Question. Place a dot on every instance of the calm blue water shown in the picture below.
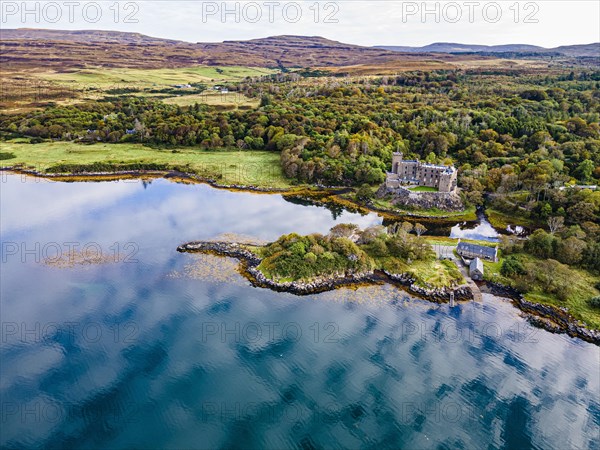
(168, 350)
(482, 231)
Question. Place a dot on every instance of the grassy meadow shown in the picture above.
(256, 168)
(428, 273)
(423, 189)
(470, 213)
(105, 78)
(29, 90)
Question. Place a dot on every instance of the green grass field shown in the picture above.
(423, 189)
(448, 241)
(428, 273)
(73, 86)
(143, 78)
(436, 273)
(255, 168)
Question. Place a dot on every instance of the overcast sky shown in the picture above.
(545, 23)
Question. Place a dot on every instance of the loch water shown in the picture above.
(145, 347)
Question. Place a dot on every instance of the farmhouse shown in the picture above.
(471, 251)
(414, 172)
(476, 269)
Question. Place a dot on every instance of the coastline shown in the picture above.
(250, 262)
(550, 318)
(327, 194)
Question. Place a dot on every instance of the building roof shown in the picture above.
(476, 264)
(482, 250)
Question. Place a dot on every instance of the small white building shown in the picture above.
(476, 269)
(470, 251)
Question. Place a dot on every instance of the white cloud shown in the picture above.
(546, 23)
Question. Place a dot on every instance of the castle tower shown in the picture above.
(396, 161)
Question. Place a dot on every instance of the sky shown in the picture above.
(547, 23)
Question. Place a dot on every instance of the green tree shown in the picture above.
(364, 193)
(512, 266)
(419, 229)
(570, 250)
(541, 244)
(584, 170)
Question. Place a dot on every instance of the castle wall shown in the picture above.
(396, 162)
(429, 175)
(447, 182)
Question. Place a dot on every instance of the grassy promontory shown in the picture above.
(347, 249)
(226, 167)
(346, 255)
(554, 296)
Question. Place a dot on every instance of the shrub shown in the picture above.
(364, 193)
(310, 258)
(594, 302)
(378, 247)
(511, 266)
(6, 155)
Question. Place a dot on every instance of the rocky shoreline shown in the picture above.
(250, 263)
(550, 318)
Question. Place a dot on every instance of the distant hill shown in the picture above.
(64, 50)
(52, 48)
(587, 50)
(83, 36)
(591, 50)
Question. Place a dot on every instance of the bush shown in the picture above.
(594, 302)
(97, 167)
(377, 248)
(364, 193)
(6, 155)
(304, 257)
(511, 266)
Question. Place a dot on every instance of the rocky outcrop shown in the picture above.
(439, 295)
(251, 261)
(401, 196)
(551, 318)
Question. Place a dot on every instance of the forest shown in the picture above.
(522, 142)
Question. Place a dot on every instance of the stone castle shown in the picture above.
(412, 172)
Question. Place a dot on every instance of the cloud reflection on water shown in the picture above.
(178, 364)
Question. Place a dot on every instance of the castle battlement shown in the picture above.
(414, 172)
